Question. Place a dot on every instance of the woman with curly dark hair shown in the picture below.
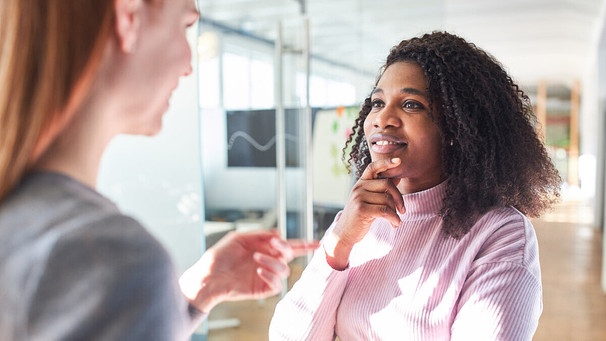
(434, 242)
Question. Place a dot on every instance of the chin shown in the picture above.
(146, 129)
(393, 173)
(153, 131)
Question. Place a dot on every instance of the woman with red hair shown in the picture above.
(73, 75)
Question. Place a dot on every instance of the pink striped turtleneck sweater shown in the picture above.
(414, 283)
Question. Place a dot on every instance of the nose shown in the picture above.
(387, 117)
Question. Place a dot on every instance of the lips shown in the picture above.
(383, 143)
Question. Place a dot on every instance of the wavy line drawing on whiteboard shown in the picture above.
(254, 143)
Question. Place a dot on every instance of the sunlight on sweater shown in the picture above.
(380, 248)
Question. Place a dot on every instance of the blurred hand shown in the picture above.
(242, 266)
(371, 197)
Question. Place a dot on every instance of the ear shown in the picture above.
(128, 23)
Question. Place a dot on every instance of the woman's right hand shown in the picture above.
(242, 265)
(372, 197)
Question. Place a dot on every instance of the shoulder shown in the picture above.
(60, 234)
(55, 199)
(112, 257)
(93, 244)
(113, 278)
(506, 235)
(80, 255)
(68, 213)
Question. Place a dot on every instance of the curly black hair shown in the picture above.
(492, 154)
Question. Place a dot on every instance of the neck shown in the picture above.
(409, 185)
(78, 150)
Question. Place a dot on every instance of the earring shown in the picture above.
(451, 142)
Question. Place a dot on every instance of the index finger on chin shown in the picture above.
(375, 168)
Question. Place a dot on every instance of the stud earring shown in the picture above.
(451, 142)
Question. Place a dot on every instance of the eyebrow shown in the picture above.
(412, 91)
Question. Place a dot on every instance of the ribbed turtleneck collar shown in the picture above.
(424, 203)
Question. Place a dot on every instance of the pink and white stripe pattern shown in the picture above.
(415, 283)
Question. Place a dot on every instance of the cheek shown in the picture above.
(367, 125)
(436, 147)
(432, 141)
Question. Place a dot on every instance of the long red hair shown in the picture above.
(50, 50)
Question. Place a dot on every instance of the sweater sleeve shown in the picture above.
(500, 301)
(308, 311)
(501, 298)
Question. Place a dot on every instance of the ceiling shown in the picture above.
(535, 40)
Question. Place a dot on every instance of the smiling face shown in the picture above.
(399, 125)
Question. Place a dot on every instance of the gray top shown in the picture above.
(73, 267)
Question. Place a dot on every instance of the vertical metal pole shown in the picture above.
(303, 4)
(280, 140)
(309, 205)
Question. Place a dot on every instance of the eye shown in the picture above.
(413, 105)
(377, 103)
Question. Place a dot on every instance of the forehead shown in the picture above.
(403, 73)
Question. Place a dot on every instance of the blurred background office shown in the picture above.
(253, 139)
